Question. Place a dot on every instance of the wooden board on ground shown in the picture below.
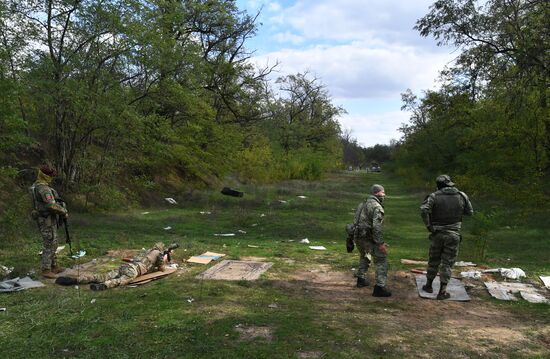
(150, 276)
(205, 258)
(236, 270)
(455, 288)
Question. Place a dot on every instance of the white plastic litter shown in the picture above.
(472, 274)
(3, 309)
(465, 264)
(205, 212)
(241, 231)
(255, 224)
(190, 300)
(262, 215)
(167, 228)
(144, 213)
(302, 197)
(506, 291)
(318, 248)
(79, 255)
(305, 240)
(224, 234)
(283, 201)
(510, 273)
(5, 271)
(171, 200)
(545, 280)
(253, 246)
(534, 297)
(92, 301)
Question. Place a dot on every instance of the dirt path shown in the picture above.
(421, 327)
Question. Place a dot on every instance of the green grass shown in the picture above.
(157, 321)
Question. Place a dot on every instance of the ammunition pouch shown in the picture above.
(35, 214)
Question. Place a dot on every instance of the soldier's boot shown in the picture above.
(66, 281)
(48, 274)
(428, 286)
(362, 282)
(380, 292)
(58, 269)
(98, 286)
(443, 294)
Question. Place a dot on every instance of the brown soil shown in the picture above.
(249, 332)
(422, 327)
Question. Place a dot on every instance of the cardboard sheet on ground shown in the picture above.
(142, 279)
(507, 291)
(17, 284)
(455, 288)
(236, 270)
(414, 262)
(545, 280)
(205, 258)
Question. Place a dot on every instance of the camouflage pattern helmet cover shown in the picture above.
(159, 246)
(377, 188)
(444, 181)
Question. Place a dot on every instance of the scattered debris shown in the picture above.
(205, 212)
(144, 213)
(545, 280)
(283, 201)
(17, 284)
(255, 224)
(231, 192)
(253, 246)
(205, 258)
(3, 309)
(253, 332)
(302, 197)
(57, 251)
(167, 228)
(241, 231)
(262, 215)
(318, 248)
(171, 200)
(472, 274)
(455, 288)
(190, 300)
(507, 291)
(224, 234)
(510, 273)
(5, 271)
(273, 306)
(465, 264)
(305, 240)
(92, 301)
(80, 254)
(413, 262)
(236, 270)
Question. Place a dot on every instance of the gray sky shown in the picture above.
(364, 51)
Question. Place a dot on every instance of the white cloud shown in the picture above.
(274, 6)
(287, 37)
(373, 129)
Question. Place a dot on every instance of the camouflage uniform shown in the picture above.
(47, 208)
(442, 213)
(148, 262)
(369, 218)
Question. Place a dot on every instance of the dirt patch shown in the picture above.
(250, 332)
(122, 253)
(310, 354)
(407, 323)
(253, 259)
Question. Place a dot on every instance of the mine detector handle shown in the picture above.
(169, 249)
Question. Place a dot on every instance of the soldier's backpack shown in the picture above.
(350, 230)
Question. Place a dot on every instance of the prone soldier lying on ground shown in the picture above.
(152, 260)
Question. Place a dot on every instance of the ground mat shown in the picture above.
(455, 288)
(236, 270)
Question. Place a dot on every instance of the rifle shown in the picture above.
(67, 235)
(169, 249)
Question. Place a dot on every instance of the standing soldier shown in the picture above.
(442, 213)
(47, 209)
(369, 218)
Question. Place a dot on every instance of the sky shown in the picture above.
(365, 52)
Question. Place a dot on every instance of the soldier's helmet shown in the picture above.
(48, 170)
(444, 181)
(376, 188)
(159, 246)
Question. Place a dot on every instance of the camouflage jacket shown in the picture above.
(150, 261)
(432, 208)
(46, 200)
(369, 219)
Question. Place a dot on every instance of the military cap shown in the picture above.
(444, 180)
(48, 171)
(376, 188)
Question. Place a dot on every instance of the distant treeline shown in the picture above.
(123, 96)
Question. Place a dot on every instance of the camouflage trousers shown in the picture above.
(368, 251)
(120, 276)
(443, 252)
(48, 231)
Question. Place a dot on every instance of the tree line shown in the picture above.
(123, 96)
(489, 123)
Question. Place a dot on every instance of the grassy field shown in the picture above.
(306, 305)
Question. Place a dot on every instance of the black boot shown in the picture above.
(66, 281)
(380, 292)
(98, 286)
(362, 282)
(428, 286)
(442, 295)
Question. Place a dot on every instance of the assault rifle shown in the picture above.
(65, 224)
(169, 249)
